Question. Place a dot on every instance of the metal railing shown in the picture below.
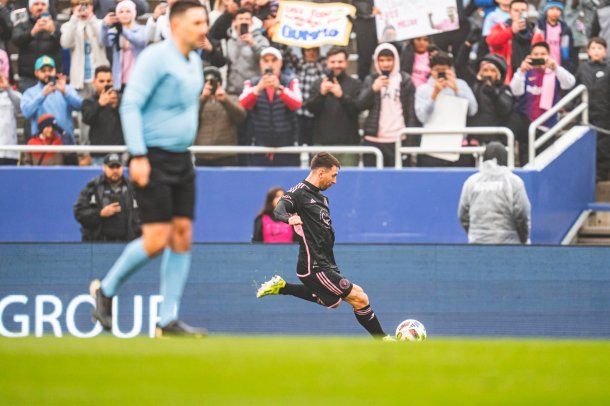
(207, 149)
(582, 108)
(399, 149)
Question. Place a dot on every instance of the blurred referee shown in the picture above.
(159, 114)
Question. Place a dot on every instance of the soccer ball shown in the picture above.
(411, 330)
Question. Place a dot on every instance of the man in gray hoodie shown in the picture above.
(494, 207)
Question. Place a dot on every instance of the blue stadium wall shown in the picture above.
(412, 205)
(453, 290)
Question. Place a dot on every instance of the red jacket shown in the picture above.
(45, 158)
(500, 41)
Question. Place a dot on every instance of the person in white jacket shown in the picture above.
(494, 207)
(9, 108)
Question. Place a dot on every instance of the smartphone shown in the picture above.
(45, 15)
(442, 75)
(386, 73)
(53, 80)
(243, 28)
(537, 61)
(268, 71)
(107, 88)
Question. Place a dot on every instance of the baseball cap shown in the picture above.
(271, 51)
(113, 159)
(46, 120)
(44, 61)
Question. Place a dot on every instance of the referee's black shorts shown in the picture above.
(171, 187)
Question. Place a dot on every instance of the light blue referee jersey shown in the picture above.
(160, 106)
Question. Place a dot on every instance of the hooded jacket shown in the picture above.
(243, 60)
(596, 77)
(494, 207)
(371, 100)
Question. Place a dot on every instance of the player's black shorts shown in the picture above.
(329, 286)
(171, 188)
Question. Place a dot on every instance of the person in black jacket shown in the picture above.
(106, 208)
(494, 98)
(389, 96)
(366, 35)
(36, 36)
(595, 75)
(101, 112)
(6, 25)
(333, 102)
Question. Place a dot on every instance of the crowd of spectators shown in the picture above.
(509, 62)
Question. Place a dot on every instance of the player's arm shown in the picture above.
(286, 211)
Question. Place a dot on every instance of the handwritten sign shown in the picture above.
(400, 20)
(309, 25)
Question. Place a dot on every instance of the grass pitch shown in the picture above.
(302, 370)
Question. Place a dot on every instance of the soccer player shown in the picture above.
(307, 209)
(159, 116)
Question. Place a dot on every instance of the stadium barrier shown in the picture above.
(453, 289)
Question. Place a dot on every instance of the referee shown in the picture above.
(159, 114)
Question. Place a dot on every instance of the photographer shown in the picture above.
(271, 100)
(512, 38)
(106, 208)
(51, 95)
(219, 115)
(333, 102)
(537, 85)
(243, 48)
(101, 112)
(126, 38)
(36, 35)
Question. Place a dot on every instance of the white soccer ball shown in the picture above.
(411, 330)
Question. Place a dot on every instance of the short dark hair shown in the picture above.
(182, 6)
(242, 11)
(102, 69)
(599, 41)
(542, 44)
(441, 58)
(336, 50)
(324, 160)
(385, 52)
(518, 1)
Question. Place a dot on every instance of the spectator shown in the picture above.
(6, 25)
(494, 98)
(498, 15)
(9, 108)
(221, 7)
(35, 36)
(243, 48)
(366, 34)
(82, 34)
(309, 71)
(51, 95)
(267, 229)
(272, 100)
(219, 115)
(127, 39)
(334, 102)
(442, 81)
(537, 85)
(101, 112)
(388, 95)
(50, 134)
(579, 19)
(494, 207)
(600, 25)
(103, 7)
(555, 32)
(106, 208)
(511, 39)
(224, 23)
(595, 75)
(415, 60)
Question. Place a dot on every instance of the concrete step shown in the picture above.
(602, 192)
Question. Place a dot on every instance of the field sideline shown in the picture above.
(302, 370)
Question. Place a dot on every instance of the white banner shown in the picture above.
(405, 19)
(308, 25)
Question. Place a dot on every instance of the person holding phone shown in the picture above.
(35, 36)
(101, 113)
(243, 49)
(537, 85)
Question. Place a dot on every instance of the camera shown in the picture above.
(442, 75)
(211, 74)
(268, 71)
(537, 61)
(243, 28)
(386, 73)
(213, 82)
(329, 74)
(53, 80)
(487, 79)
(107, 88)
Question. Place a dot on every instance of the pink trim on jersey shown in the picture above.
(299, 230)
(334, 306)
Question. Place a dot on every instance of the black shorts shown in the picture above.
(171, 188)
(329, 286)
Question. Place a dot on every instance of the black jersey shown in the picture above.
(317, 234)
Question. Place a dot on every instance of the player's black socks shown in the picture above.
(367, 318)
(298, 290)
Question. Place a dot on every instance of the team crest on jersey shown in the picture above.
(344, 284)
(325, 217)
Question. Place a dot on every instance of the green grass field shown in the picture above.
(303, 370)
